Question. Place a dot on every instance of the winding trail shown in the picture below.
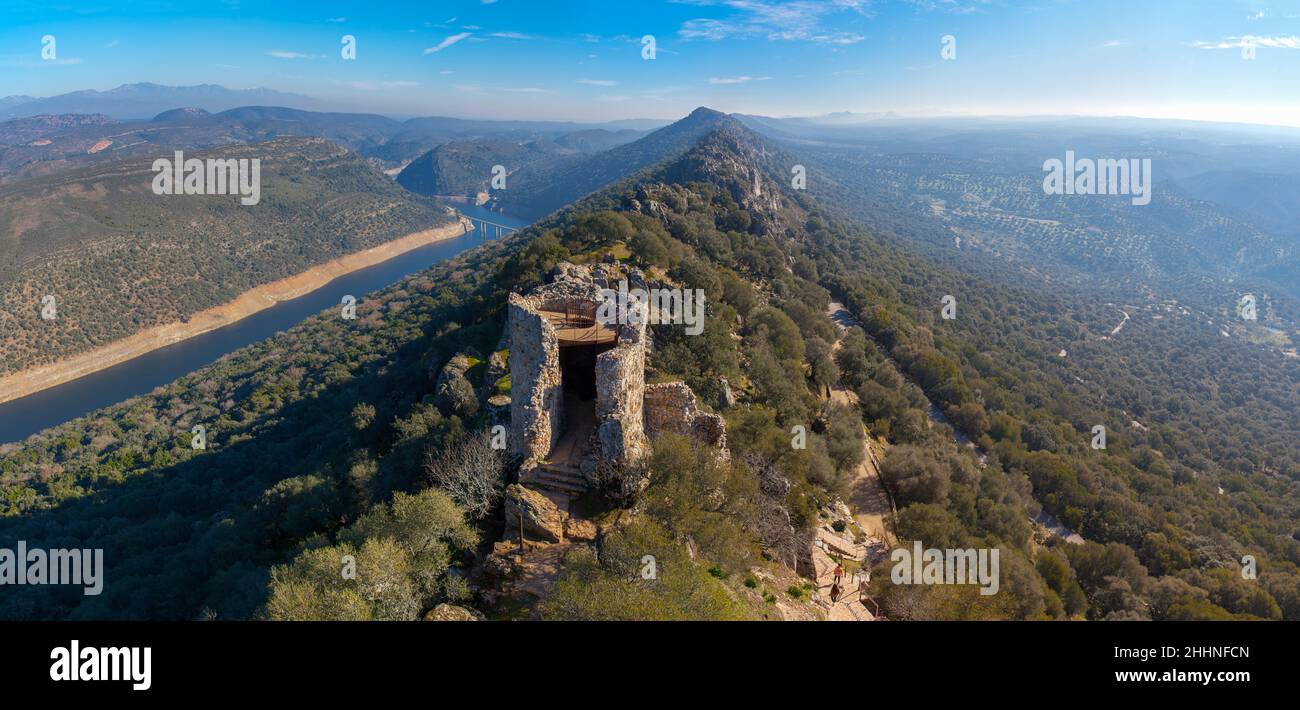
(869, 504)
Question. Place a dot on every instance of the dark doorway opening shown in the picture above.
(578, 369)
(578, 381)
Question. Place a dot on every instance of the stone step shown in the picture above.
(560, 487)
(561, 468)
(561, 480)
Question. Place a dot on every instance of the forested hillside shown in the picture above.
(324, 441)
(118, 259)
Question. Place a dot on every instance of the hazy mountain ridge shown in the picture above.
(142, 100)
(465, 168)
(538, 189)
(50, 143)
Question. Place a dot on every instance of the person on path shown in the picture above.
(835, 592)
(839, 572)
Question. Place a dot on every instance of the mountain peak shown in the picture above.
(180, 114)
(704, 114)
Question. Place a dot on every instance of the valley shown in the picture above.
(332, 430)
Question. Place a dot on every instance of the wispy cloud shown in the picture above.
(959, 7)
(446, 43)
(336, 19)
(377, 85)
(283, 54)
(1114, 43)
(112, 43)
(1270, 41)
(510, 35)
(736, 79)
(598, 82)
(800, 20)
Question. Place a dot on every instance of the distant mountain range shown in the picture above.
(135, 101)
(87, 127)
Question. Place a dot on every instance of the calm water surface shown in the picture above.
(23, 417)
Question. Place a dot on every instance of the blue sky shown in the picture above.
(580, 59)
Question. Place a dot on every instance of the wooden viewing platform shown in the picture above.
(579, 327)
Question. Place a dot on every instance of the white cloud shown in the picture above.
(112, 44)
(959, 7)
(511, 35)
(446, 43)
(800, 20)
(598, 82)
(372, 85)
(1114, 43)
(282, 54)
(336, 19)
(736, 79)
(1273, 42)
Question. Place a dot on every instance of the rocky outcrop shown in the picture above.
(726, 399)
(540, 517)
(671, 407)
(452, 612)
(580, 530)
(453, 393)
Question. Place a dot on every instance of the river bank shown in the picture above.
(259, 298)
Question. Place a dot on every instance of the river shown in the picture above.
(28, 415)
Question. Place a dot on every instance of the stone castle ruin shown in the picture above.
(580, 410)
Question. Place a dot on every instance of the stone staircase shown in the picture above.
(561, 478)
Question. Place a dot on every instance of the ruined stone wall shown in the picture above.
(627, 411)
(620, 385)
(536, 402)
(671, 407)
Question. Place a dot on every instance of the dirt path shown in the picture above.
(849, 607)
(867, 497)
(869, 505)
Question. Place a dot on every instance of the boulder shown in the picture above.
(541, 518)
(580, 530)
(453, 392)
(451, 612)
(725, 397)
